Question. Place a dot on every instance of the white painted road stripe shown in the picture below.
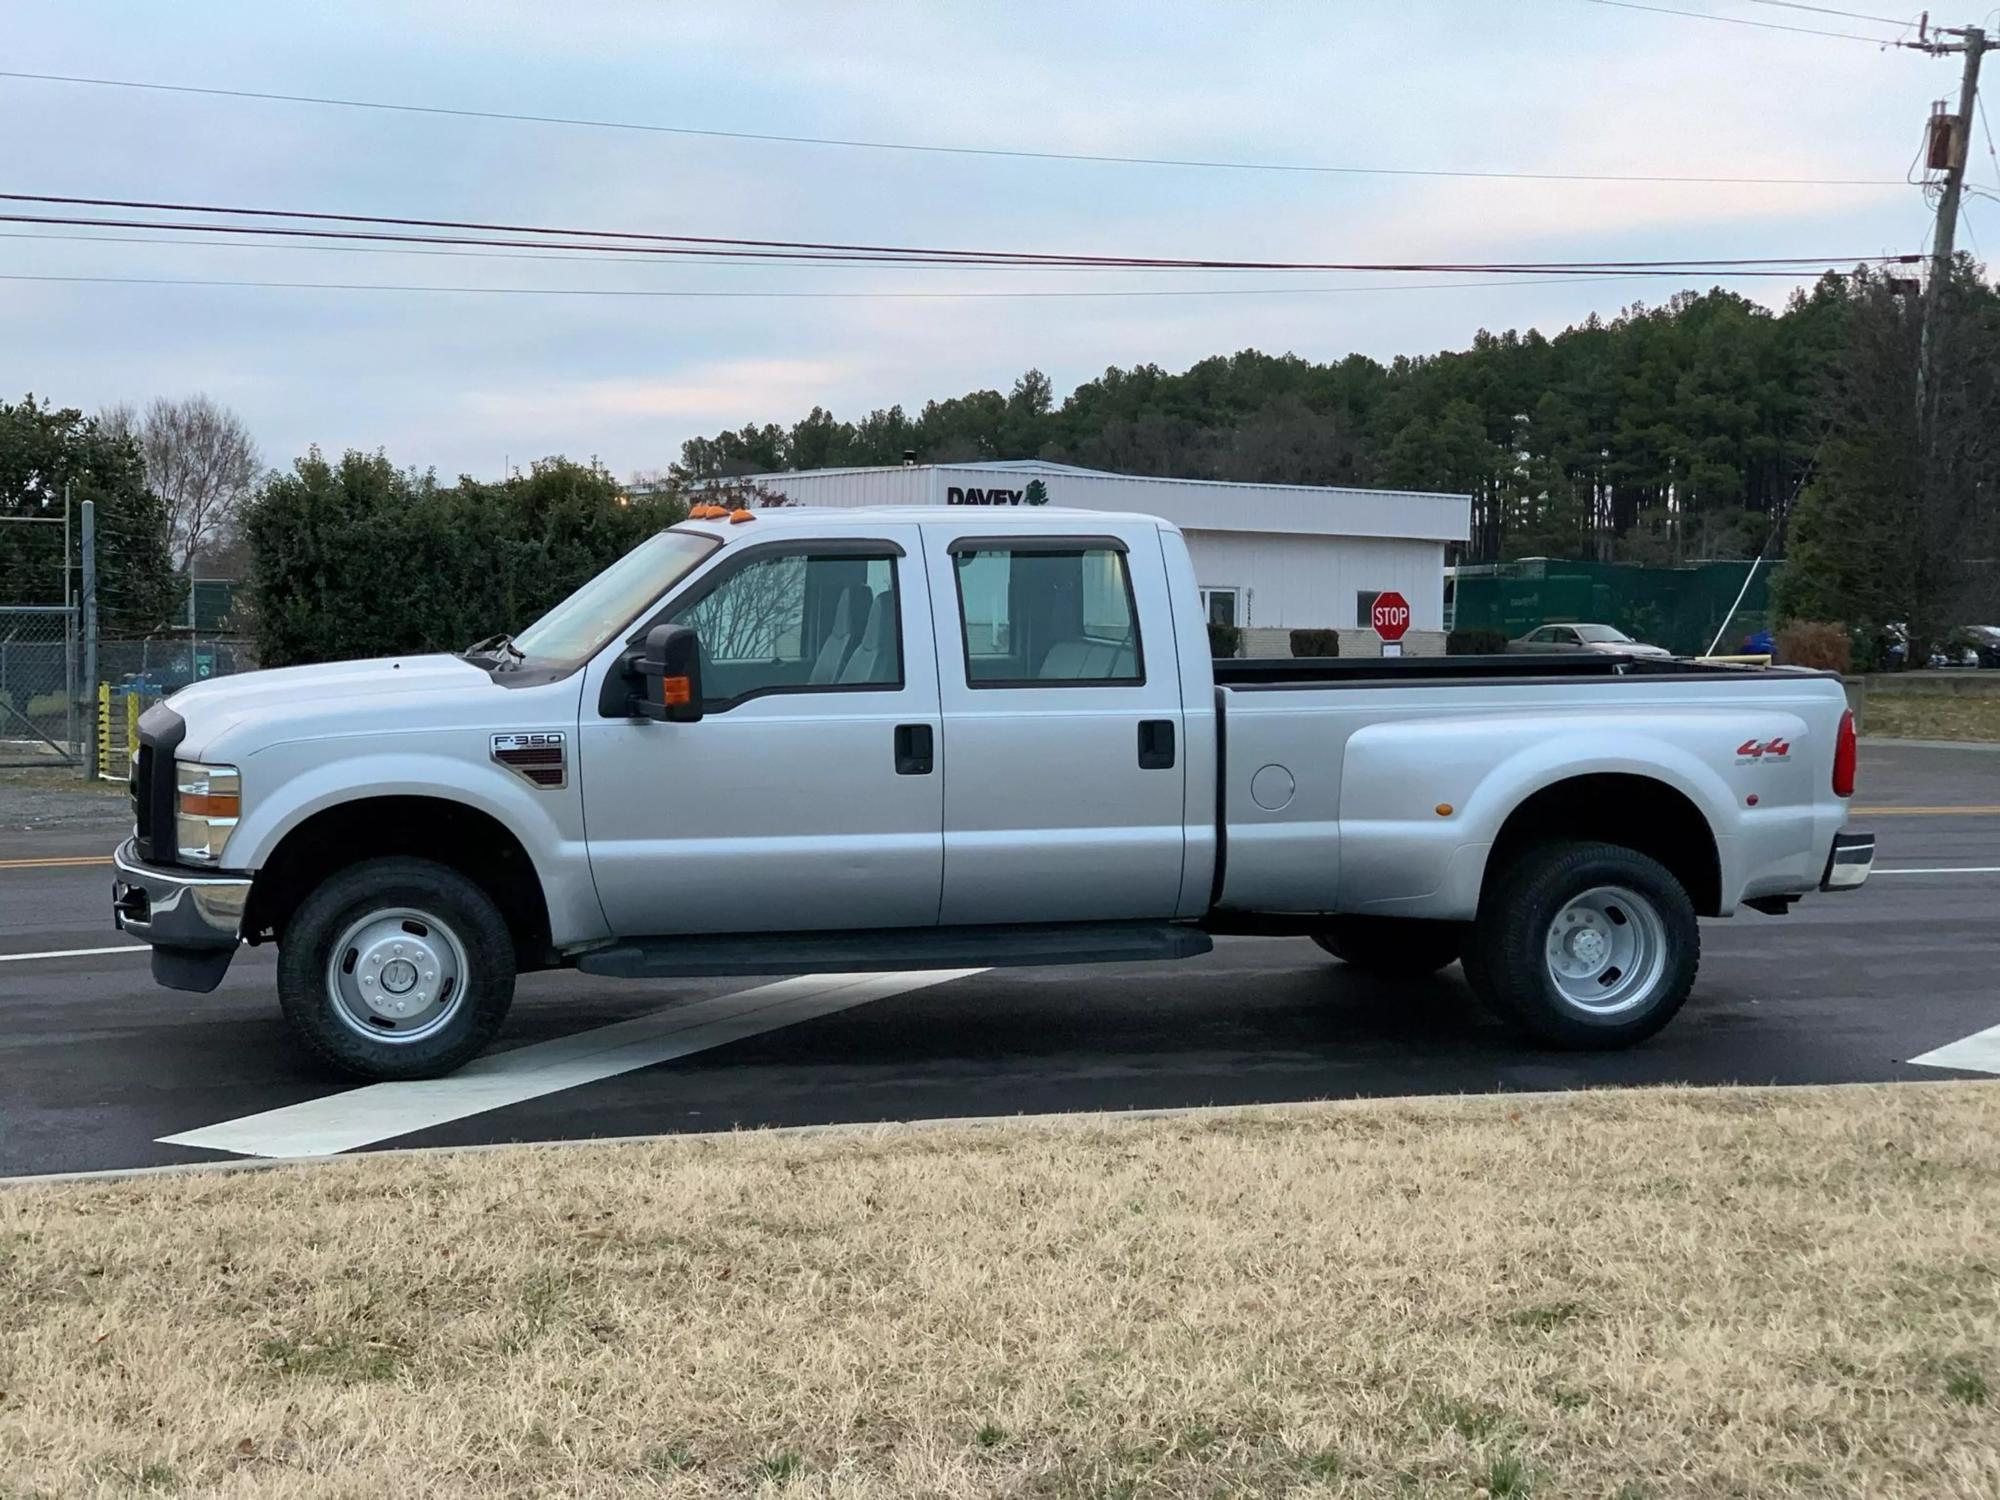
(382, 1111)
(1978, 1053)
(1946, 870)
(15, 958)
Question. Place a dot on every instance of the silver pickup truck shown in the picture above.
(805, 740)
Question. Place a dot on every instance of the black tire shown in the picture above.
(443, 906)
(1395, 947)
(1512, 959)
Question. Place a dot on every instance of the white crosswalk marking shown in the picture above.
(1978, 1053)
(379, 1112)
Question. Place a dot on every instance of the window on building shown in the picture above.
(1364, 608)
(1036, 617)
(1220, 606)
(798, 623)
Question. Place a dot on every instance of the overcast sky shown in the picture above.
(464, 381)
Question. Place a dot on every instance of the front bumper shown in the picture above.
(1849, 861)
(193, 921)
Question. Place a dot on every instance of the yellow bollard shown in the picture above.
(104, 729)
(131, 729)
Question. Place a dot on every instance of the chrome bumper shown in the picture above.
(174, 908)
(1847, 866)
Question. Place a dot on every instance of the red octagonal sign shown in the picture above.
(1391, 615)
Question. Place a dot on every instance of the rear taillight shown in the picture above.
(1845, 753)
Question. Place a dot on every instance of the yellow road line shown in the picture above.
(65, 862)
(1926, 812)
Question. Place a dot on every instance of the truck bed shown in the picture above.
(1319, 671)
(1380, 786)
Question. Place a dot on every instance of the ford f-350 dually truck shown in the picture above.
(822, 740)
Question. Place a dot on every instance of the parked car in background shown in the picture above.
(1979, 643)
(1607, 639)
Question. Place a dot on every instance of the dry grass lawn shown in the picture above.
(1736, 1293)
(1934, 716)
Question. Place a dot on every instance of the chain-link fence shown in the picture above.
(134, 675)
(1679, 608)
(48, 708)
(42, 698)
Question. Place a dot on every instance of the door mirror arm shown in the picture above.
(669, 670)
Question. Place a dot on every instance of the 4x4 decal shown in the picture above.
(1771, 749)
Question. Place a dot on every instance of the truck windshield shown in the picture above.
(574, 630)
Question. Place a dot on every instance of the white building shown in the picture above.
(1271, 558)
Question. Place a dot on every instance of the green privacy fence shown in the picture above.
(1679, 608)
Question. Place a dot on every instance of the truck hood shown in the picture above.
(259, 708)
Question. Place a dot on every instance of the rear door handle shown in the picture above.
(913, 749)
(1156, 744)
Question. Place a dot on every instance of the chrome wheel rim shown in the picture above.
(1606, 950)
(397, 976)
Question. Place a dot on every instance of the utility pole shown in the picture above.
(1957, 143)
(1975, 46)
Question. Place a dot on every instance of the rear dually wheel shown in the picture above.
(1585, 945)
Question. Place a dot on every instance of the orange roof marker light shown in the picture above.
(740, 515)
(707, 513)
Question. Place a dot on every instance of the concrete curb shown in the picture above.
(1193, 1113)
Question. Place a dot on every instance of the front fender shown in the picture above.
(279, 795)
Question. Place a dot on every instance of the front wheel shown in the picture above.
(1585, 945)
(396, 968)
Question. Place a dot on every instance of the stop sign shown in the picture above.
(1390, 616)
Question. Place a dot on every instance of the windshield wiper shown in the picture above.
(494, 646)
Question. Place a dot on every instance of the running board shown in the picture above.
(896, 948)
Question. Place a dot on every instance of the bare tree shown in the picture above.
(200, 460)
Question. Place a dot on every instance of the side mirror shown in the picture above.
(670, 668)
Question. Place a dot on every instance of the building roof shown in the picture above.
(1191, 504)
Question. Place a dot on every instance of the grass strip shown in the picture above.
(1658, 1293)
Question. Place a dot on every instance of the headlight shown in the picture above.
(207, 802)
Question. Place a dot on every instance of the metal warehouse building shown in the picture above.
(1271, 558)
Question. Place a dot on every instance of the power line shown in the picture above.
(1545, 279)
(1703, 15)
(930, 148)
(675, 244)
(1827, 10)
(692, 259)
(1987, 126)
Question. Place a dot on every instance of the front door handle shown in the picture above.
(913, 749)
(1156, 744)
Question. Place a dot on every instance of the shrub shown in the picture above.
(1224, 640)
(1815, 643)
(1315, 643)
(359, 558)
(1475, 643)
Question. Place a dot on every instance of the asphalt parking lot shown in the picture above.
(101, 1070)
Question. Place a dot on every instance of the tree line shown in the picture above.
(1707, 428)
(1662, 434)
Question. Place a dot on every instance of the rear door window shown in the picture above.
(1043, 616)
